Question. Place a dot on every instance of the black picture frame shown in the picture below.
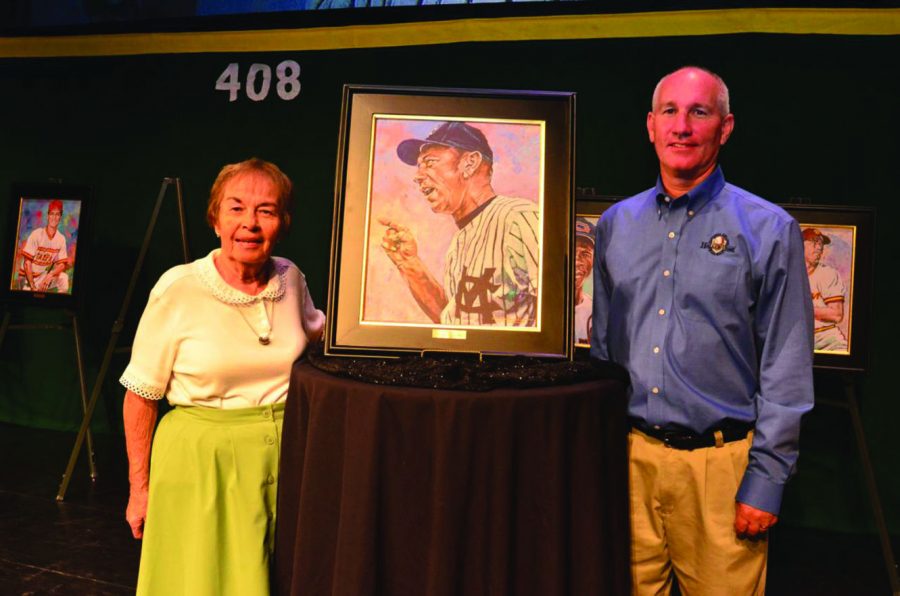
(37, 242)
(847, 236)
(590, 206)
(375, 121)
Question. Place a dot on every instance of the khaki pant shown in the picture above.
(682, 520)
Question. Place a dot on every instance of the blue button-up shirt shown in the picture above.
(705, 300)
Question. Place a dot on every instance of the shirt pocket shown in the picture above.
(706, 287)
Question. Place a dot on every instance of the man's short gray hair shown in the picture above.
(723, 103)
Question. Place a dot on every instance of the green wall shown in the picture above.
(816, 118)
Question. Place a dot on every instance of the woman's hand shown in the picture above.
(139, 417)
(136, 512)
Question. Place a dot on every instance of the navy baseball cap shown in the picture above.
(584, 229)
(458, 135)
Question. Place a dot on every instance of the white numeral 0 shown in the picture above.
(255, 69)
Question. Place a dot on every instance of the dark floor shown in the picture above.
(83, 547)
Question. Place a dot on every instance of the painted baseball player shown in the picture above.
(584, 261)
(828, 293)
(491, 270)
(44, 257)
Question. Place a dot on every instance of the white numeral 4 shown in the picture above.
(229, 81)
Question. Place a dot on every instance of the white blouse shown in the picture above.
(198, 341)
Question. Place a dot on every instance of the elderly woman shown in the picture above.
(217, 338)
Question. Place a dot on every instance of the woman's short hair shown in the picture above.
(283, 187)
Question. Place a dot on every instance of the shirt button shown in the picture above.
(270, 479)
(270, 440)
(656, 349)
(267, 414)
(655, 390)
(661, 311)
(690, 214)
(671, 234)
(667, 273)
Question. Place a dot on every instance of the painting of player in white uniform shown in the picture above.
(828, 251)
(455, 232)
(46, 246)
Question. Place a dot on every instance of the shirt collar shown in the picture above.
(205, 269)
(474, 213)
(697, 197)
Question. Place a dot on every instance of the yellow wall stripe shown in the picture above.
(844, 21)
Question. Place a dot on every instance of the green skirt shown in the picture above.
(210, 524)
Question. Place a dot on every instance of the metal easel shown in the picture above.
(84, 431)
(79, 361)
(851, 404)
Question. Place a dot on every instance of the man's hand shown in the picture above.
(136, 512)
(400, 246)
(29, 274)
(398, 243)
(750, 522)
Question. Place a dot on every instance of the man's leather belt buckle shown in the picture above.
(686, 440)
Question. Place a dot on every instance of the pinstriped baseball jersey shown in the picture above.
(491, 272)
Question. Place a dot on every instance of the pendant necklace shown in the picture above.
(263, 338)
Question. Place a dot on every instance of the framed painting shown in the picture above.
(43, 263)
(588, 209)
(838, 250)
(451, 223)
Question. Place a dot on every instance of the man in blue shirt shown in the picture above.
(702, 294)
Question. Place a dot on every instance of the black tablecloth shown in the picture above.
(405, 491)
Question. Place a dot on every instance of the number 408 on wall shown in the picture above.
(258, 81)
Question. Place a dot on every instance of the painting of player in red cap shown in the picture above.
(46, 245)
(828, 251)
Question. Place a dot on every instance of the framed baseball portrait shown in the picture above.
(452, 222)
(43, 262)
(838, 250)
(588, 209)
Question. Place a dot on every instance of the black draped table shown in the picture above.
(403, 491)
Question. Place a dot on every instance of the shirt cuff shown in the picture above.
(136, 385)
(760, 493)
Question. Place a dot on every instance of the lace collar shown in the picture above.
(205, 269)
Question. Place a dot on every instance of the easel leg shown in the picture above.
(874, 499)
(182, 221)
(84, 399)
(4, 326)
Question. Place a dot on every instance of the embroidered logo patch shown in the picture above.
(717, 244)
